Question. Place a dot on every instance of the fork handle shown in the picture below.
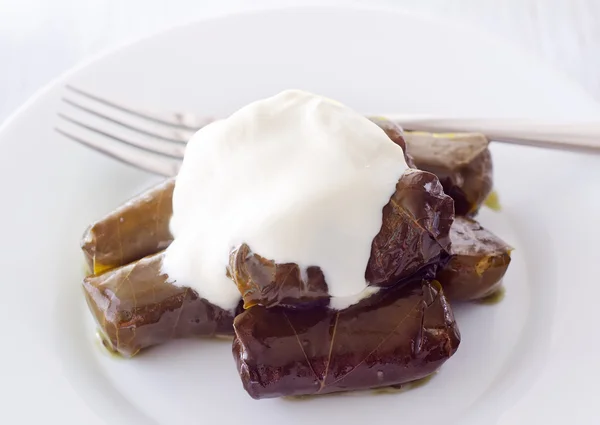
(572, 136)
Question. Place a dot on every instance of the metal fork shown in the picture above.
(156, 142)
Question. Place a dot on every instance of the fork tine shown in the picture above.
(113, 115)
(168, 149)
(130, 155)
(186, 121)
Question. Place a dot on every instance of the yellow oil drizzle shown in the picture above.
(436, 135)
(392, 389)
(482, 265)
(493, 201)
(106, 346)
(446, 135)
(494, 298)
(101, 268)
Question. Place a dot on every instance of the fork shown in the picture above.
(155, 142)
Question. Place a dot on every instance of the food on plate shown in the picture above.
(493, 201)
(143, 222)
(412, 240)
(138, 228)
(396, 135)
(399, 335)
(462, 162)
(303, 229)
(303, 179)
(135, 306)
(263, 281)
(479, 259)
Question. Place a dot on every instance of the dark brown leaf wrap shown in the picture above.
(399, 335)
(138, 228)
(462, 162)
(396, 135)
(136, 307)
(415, 230)
(263, 281)
(412, 239)
(479, 259)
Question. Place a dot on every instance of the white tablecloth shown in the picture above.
(40, 39)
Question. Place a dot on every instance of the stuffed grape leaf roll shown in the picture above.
(413, 238)
(138, 228)
(136, 307)
(478, 261)
(399, 335)
(462, 162)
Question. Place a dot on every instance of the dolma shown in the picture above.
(136, 307)
(138, 228)
(462, 162)
(414, 237)
(141, 226)
(399, 335)
(396, 135)
(478, 261)
(265, 282)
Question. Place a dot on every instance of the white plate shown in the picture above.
(532, 357)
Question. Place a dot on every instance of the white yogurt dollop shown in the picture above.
(299, 178)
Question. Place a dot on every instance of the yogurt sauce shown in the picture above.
(299, 178)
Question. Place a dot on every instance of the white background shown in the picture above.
(40, 39)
